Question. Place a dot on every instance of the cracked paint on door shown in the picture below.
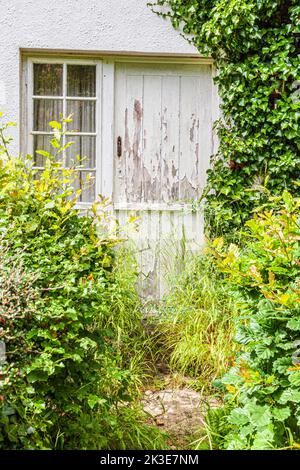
(163, 114)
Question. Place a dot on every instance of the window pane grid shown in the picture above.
(44, 112)
(81, 84)
(47, 79)
(62, 91)
(83, 115)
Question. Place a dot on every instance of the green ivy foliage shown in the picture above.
(255, 45)
(69, 319)
(263, 394)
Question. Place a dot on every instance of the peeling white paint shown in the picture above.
(163, 114)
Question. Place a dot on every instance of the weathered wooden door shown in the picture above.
(163, 141)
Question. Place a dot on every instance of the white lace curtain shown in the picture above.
(49, 102)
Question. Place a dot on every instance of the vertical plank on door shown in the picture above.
(120, 119)
(133, 138)
(189, 137)
(151, 138)
(151, 161)
(170, 138)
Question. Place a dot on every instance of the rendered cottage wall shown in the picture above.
(77, 26)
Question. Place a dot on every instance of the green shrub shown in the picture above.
(67, 315)
(196, 323)
(263, 393)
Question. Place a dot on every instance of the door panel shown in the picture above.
(164, 118)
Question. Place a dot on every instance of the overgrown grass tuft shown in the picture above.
(195, 325)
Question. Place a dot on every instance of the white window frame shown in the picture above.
(98, 98)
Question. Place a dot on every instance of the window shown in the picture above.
(61, 89)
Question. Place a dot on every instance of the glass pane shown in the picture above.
(86, 182)
(88, 187)
(81, 80)
(41, 142)
(45, 111)
(83, 115)
(85, 147)
(48, 79)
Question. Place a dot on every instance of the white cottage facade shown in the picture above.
(143, 103)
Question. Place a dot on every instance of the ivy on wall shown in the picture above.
(255, 45)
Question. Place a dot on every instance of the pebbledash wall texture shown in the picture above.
(95, 26)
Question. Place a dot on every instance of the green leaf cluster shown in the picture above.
(69, 317)
(263, 386)
(256, 50)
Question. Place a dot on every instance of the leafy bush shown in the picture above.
(263, 394)
(67, 315)
(255, 47)
(195, 324)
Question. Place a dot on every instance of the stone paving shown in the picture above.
(179, 411)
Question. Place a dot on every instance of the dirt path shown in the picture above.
(179, 410)
(173, 404)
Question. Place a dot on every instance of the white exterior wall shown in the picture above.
(96, 26)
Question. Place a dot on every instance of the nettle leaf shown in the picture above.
(239, 417)
(290, 394)
(264, 439)
(294, 378)
(264, 351)
(232, 377)
(259, 415)
(281, 414)
(294, 324)
(236, 442)
(282, 364)
(287, 346)
(246, 431)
